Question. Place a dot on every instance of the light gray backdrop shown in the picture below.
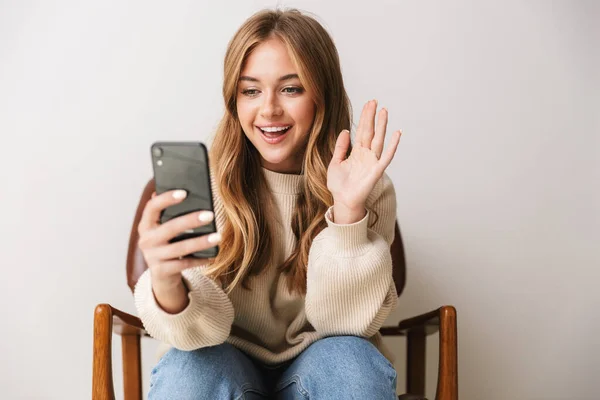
(497, 173)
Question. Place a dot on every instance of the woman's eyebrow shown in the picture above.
(283, 78)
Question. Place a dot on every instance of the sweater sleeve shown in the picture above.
(350, 286)
(206, 321)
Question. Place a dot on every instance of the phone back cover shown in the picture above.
(184, 165)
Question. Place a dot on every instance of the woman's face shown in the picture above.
(275, 111)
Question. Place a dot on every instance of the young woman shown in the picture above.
(292, 305)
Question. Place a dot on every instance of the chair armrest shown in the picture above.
(109, 320)
(429, 322)
(124, 323)
(416, 329)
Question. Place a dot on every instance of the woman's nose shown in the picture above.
(270, 107)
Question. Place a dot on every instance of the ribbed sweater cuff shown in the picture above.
(347, 240)
(205, 296)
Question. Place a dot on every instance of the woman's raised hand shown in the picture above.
(350, 180)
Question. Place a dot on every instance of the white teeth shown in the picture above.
(274, 129)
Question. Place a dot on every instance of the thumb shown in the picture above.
(341, 146)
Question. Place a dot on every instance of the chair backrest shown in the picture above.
(136, 265)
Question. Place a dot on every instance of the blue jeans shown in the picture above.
(337, 367)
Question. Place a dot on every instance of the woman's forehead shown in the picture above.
(269, 62)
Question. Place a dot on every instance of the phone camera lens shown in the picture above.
(157, 151)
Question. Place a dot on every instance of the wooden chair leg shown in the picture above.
(447, 388)
(415, 362)
(102, 383)
(132, 367)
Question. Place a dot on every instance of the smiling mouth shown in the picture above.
(275, 137)
(274, 132)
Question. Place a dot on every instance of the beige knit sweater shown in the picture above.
(350, 290)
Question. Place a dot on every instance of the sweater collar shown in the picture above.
(283, 183)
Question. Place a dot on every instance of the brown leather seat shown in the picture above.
(108, 320)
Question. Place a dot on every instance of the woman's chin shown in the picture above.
(279, 163)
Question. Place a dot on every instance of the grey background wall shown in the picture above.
(497, 173)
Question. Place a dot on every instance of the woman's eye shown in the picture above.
(249, 92)
(287, 90)
(292, 90)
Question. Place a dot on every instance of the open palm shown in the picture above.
(351, 180)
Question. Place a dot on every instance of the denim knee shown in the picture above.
(355, 351)
(214, 372)
(340, 367)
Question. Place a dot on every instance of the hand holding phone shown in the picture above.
(165, 258)
(179, 221)
(184, 166)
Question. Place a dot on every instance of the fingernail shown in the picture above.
(206, 216)
(179, 194)
(214, 237)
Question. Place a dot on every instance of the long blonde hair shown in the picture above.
(247, 243)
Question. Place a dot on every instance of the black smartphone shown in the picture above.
(184, 165)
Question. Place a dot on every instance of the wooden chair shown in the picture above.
(109, 320)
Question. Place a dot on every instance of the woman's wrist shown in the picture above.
(344, 215)
(172, 299)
